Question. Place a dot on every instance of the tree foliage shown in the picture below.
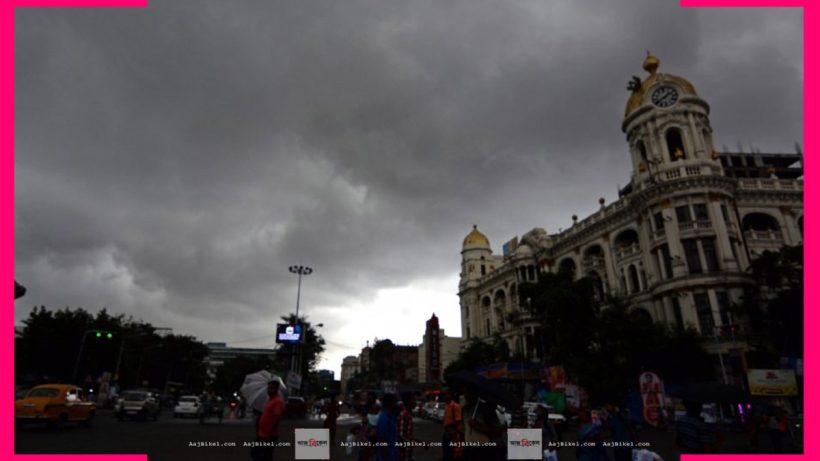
(49, 346)
(774, 305)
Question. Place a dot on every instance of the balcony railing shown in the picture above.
(690, 225)
(753, 236)
(627, 251)
(593, 263)
(770, 184)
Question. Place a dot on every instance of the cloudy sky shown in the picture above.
(173, 162)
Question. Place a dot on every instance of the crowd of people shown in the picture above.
(473, 430)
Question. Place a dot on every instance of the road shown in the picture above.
(176, 439)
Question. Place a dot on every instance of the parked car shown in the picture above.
(187, 405)
(427, 410)
(137, 404)
(56, 404)
(296, 407)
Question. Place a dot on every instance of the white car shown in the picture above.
(188, 405)
(430, 410)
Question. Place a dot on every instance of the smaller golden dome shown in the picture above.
(476, 238)
(651, 63)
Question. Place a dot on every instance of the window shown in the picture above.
(487, 327)
(683, 214)
(658, 221)
(701, 214)
(666, 260)
(483, 269)
(723, 307)
(674, 144)
(706, 320)
(531, 273)
(725, 212)
(633, 279)
(690, 249)
(710, 254)
(468, 332)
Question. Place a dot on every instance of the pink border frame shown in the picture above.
(810, 20)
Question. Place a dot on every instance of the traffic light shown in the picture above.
(106, 334)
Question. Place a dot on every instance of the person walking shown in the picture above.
(267, 428)
(694, 436)
(590, 442)
(453, 428)
(387, 431)
(622, 433)
(406, 430)
(332, 411)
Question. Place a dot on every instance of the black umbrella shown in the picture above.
(484, 388)
(712, 393)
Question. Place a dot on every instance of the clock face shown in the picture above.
(664, 96)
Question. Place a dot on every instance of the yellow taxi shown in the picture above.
(55, 404)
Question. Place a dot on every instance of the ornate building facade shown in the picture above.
(676, 244)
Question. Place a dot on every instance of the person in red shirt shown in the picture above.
(267, 429)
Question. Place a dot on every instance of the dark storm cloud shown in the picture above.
(172, 162)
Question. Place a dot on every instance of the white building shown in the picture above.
(350, 366)
(677, 242)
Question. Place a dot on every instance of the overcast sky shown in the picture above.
(172, 162)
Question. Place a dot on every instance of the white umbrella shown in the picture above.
(255, 388)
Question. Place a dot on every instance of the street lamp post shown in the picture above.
(299, 271)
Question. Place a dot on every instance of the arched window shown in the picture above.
(674, 144)
(759, 222)
(567, 265)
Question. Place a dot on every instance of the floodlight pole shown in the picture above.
(299, 271)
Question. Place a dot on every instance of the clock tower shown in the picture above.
(667, 128)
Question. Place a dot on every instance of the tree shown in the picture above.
(774, 305)
(310, 350)
(49, 349)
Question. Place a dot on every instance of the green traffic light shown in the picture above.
(99, 334)
(109, 336)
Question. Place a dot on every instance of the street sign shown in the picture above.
(294, 380)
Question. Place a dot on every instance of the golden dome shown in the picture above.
(476, 239)
(651, 64)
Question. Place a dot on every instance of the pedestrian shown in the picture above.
(694, 436)
(622, 433)
(481, 428)
(267, 429)
(406, 430)
(332, 411)
(590, 442)
(777, 428)
(453, 428)
(387, 430)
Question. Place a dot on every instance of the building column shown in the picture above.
(722, 242)
(672, 230)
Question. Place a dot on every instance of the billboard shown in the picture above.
(772, 382)
(289, 334)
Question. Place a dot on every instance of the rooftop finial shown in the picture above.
(651, 63)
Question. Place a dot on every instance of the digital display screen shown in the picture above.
(288, 333)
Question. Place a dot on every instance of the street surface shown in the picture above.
(174, 439)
